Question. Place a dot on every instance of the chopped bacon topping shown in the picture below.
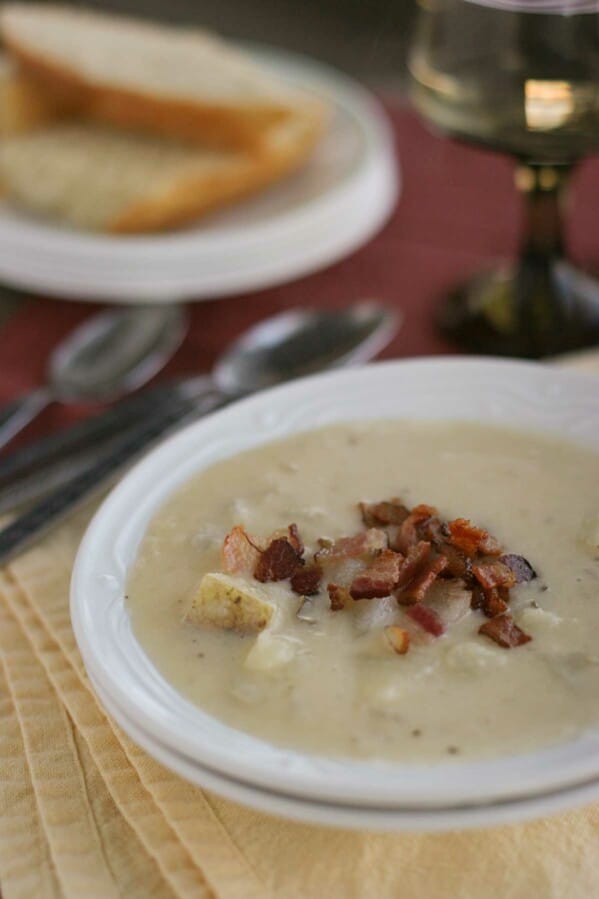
(398, 638)
(435, 531)
(478, 597)
(415, 560)
(521, 567)
(493, 602)
(239, 553)
(427, 618)
(295, 539)
(423, 581)
(277, 562)
(339, 597)
(407, 534)
(382, 514)
(494, 574)
(379, 578)
(358, 547)
(438, 570)
(458, 564)
(472, 540)
(306, 580)
(504, 631)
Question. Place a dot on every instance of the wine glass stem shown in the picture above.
(540, 309)
(543, 190)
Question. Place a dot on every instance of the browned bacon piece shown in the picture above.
(306, 580)
(427, 619)
(521, 567)
(423, 581)
(407, 534)
(385, 513)
(415, 560)
(277, 562)
(494, 601)
(339, 597)
(504, 631)
(435, 531)
(240, 554)
(472, 540)
(478, 597)
(458, 564)
(295, 539)
(494, 574)
(379, 578)
(361, 546)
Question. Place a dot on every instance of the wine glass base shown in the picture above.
(527, 312)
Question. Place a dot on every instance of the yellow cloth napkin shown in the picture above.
(84, 813)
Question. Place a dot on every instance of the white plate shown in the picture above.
(317, 788)
(342, 197)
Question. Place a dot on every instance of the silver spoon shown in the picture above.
(110, 354)
(287, 346)
(300, 342)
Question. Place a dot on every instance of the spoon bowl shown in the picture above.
(109, 355)
(301, 342)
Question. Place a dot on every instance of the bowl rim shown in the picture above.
(115, 661)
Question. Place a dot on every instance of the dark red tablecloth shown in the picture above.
(458, 212)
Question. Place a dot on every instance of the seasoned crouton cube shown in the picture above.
(231, 603)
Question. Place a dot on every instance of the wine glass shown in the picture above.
(521, 77)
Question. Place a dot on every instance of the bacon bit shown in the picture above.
(417, 557)
(493, 603)
(306, 580)
(458, 565)
(294, 538)
(521, 567)
(478, 597)
(380, 577)
(398, 638)
(360, 546)
(504, 631)
(239, 553)
(472, 540)
(494, 574)
(417, 590)
(388, 512)
(292, 535)
(427, 618)
(407, 533)
(278, 561)
(339, 597)
(435, 531)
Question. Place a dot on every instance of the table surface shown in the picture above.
(458, 213)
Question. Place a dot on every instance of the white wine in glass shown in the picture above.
(520, 77)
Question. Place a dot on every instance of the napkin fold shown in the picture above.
(85, 813)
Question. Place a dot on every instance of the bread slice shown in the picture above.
(101, 179)
(22, 106)
(182, 82)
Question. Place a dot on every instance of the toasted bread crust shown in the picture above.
(209, 124)
(194, 197)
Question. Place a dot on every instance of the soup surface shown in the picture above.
(327, 681)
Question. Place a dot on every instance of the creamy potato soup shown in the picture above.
(484, 643)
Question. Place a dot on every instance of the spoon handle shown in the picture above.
(27, 527)
(59, 446)
(16, 415)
